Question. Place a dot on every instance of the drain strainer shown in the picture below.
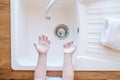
(62, 31)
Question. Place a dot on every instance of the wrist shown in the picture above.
(42, 54)
(68, 54)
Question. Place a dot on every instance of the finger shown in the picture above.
(46, 37)
(40, 38)
(35, 45)
(71, 42)
(68, 42)
(64, 45)
(43, 36)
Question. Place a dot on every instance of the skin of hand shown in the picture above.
(43, 45)
(69, 47)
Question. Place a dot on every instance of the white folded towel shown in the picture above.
(110, 34)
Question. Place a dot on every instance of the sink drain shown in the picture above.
(62, 31)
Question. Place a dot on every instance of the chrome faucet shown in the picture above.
(48, 9)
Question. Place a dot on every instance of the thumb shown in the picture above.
(35, 45)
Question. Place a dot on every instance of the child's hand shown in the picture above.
(43, 45)
(69, 47)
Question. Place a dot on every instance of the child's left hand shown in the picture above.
(43, 45)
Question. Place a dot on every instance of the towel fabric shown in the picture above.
(53, 78)
(110, 35)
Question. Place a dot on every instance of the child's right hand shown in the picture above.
(69, 47)
(43, 45)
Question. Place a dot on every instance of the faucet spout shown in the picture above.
(48, 9)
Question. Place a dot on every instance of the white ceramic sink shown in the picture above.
(28, 22)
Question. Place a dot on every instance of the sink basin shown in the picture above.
(28, 22)
(83, 19)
